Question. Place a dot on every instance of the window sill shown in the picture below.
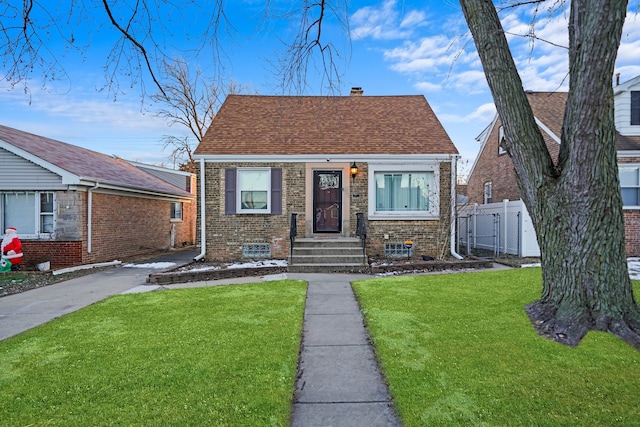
(404, 217)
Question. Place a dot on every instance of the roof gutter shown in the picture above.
(337, 158)
(104, 185)
(454, 199)
(203, 222)
(90, 214)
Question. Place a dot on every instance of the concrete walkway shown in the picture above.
(339, 381)
(23, 311)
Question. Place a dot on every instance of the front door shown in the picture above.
(327, 201)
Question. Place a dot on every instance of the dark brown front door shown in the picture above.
(327, 201)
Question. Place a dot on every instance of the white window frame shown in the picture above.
(37, 212)
(635, 166)
(501, 150)
(488, 192)
(173, 212)
(434, 190)
(239, 208)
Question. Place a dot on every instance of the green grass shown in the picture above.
(223, 356)
(458, 349)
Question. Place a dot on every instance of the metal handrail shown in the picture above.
(293, 230)
(361, 231)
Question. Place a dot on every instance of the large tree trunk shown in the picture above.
(575, 204)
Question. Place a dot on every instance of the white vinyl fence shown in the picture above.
(498, 227)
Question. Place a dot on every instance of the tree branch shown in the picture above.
(135, 42)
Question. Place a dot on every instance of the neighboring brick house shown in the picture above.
(75, 206)
(267, 157)
(492, 177)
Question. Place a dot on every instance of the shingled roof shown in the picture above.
(298, 125)
(86, 165)
(548, 107)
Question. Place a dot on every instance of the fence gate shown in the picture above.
(479, 231)
(497, 227)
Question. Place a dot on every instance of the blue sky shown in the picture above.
(397, 48)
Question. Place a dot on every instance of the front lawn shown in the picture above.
(458, 349)
(223, 356)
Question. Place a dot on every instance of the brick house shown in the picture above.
(75, 206)
(492, 177)
(265, 158)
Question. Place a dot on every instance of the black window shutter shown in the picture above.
(635, 107)
(276, 191)
(230, 191)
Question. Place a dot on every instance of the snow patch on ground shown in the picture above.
(633, 265)
(152, 265)
(250, 264)
(535, 264)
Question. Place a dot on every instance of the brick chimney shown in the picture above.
(356, 91)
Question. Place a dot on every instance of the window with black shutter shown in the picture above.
(635, 107)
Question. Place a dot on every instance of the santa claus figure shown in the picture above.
(12, 247)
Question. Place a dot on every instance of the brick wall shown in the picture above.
(58, 253)
(631, 219)
(496, 168)
(122, 226)
(429, 237)
(499, 170)
(225, 234)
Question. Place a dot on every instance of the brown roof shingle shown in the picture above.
(86, 164)
(295, 125)
(548, 107)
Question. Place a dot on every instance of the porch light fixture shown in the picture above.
(354, 170)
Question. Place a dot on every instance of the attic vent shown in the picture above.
(356, 91)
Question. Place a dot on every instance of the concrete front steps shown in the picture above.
(326, 255)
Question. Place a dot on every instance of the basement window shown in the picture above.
(256, 250)
(397, 250)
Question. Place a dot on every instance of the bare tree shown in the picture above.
(140, 31)
(575, 204)
(322, 25)
(191, 100)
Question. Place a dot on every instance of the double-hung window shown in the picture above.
(253, 190)
(176, 211)
(488, 192)
(403, 192)
(32, 213)
(630, 186)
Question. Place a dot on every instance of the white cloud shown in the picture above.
(439, 58)
(385, 22)
(628, 72)
(377, 23)
(469, 82)
(483, 114)
(413, 18)
(428, 87)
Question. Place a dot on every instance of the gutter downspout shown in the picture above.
(203, 234)
(90, 214)
(452, 239)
